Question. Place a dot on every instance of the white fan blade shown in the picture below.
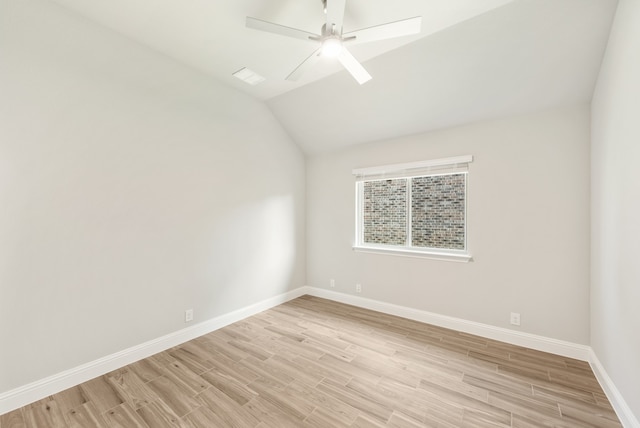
(390, 30)
(304, 66)
(335, 15)
(353, 66)
(270, 27)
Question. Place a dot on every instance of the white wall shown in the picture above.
(131, 189)
(528, 227)
(615, 205)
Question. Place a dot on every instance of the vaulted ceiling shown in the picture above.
(473, 60)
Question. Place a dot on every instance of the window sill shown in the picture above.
(434, 255)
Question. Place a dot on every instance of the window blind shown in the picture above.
(453, 165)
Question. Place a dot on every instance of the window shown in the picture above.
(417, 209)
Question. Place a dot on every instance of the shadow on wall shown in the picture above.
(253, 252)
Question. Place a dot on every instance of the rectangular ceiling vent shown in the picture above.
(249, 76)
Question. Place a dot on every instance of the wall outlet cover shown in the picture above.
(515, 318)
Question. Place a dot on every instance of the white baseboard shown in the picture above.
(541, 343)
(26, 394)
(38, 390)
(626, 416)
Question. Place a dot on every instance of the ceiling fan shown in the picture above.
(332, 40)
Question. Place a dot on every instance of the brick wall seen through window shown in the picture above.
(385, 212)
(437, 212)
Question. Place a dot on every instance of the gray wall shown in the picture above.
(615, 205)
(131, 189)
(528, 225)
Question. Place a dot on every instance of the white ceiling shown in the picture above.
(525, 56)
(474, 59)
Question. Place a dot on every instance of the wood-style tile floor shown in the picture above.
(316, 363)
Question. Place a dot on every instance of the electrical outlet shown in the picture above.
(188, 315)
(515, 318)
(332, 283)
(358, 288)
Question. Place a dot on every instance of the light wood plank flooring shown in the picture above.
(316, 363)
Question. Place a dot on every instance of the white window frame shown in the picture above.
(446, 166)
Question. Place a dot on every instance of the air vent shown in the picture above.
(249, 76)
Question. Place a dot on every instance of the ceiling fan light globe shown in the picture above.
(331, 47)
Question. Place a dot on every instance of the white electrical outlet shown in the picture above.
(515, 318)
(188, 315)
(358, 288)
(332, 283)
